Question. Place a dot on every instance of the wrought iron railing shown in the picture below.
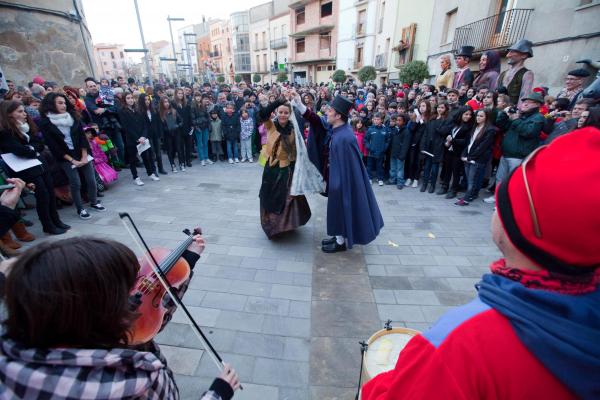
(495, 32)
(279, 43)
(381, 61)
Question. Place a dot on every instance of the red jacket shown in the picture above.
(472, 352)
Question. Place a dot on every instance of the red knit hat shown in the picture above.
(556, 188)
(39, 80)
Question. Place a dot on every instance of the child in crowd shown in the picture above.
(230, 125)
(377, 141)
(359, 131)
(399, 144)
(246, 129)
(106, 93)
(107, 147)
(106, 173)
(216, 136)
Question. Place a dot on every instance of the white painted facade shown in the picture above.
(279, 29)
(357, 29)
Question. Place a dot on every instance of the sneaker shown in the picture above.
(415, 183)
(138, 181)
(209, 162)
(98, 206)
(250, 160)
(154, 177)
(400, 187)
(380, 182)
(490, 200)
(462, 202)
(203, 163)
(83, 214)
(174, 169)
(237, 160)
(408, 182)
(230, 161)
(182, 167)
(243, 160)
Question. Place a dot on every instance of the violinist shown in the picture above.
(68, 327)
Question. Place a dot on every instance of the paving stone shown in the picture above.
(433, 313)
(377, 270)
(403, 270)
(240, 321)
(454, 298)
(381, 259)
(303, 279)
(290, 292)
(429, 283)
(334, 361)
(390, 282)
(257, 392)
(416, 297)
(224, 259)
(280, 372)
(245, 251)
(190, 386)
(259, 344)
(224, 301)
(296, 349)
(286, 326)
(442, 271)
(429, 250)
(300, 309)
(462, 283)
(342, 287)
(181, 360)
(249, 288)
(245, 274)
(202, 315)
(473, 272)
(294, 394)
(286, 278)
(419, 259)
(401, 313)
(332, 392)
(259, 263)
(383, 296)
(343, 318)
(266, 305)
(294, 266)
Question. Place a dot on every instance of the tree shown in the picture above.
(339, 76)
(413, 71)
(367, 73)
(256, 78)
(220, 79)
(237, 78)
(282, 77)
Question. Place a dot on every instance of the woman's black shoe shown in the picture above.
(423, 187)
(55, 231)
(451, 195)
(62, 225)
(162, 172)
(328, 241)
(431, 188)
(333, 247)
(26, 222)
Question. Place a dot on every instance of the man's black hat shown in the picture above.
(523, 46)
(579, 72)
(466, 51)
(342, 105)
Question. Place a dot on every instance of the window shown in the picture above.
(362, 22)
(325, 41)
(381, 14)
(265, 61)
(283, 30)
(264, 40)
(257, 62)
(256, 41)
(121, 54)
(275, 33)
(300, 16)
(326, 8)
(112, 55)
(104, 62)
(300, 45)
(449, 26)
(114, 65)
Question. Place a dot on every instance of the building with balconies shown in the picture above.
(357, 25)
(259, 40)
(562, 32)
(110, 60)
(240, 38)
(220, 57)
(279, 28)
(313, 34)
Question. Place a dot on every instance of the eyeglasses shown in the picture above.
(534, 218)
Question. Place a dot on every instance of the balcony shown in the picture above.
(277, 70)
(381, 61)
(495, 32)
(279, 43)
(213, 54)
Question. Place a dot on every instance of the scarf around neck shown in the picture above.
(61, 121)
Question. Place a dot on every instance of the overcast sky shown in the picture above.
(114, 21)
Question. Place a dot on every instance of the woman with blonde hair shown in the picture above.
(446, 77)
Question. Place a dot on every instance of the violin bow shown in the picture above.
(215, 357)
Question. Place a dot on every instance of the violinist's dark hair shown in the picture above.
(73, 292)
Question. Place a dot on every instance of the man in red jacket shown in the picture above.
(533, 331)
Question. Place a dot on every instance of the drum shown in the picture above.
(383, 350)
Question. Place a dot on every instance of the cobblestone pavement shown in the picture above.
(287, 316)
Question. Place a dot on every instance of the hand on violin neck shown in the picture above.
(198, 244)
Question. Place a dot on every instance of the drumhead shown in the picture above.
(384, 348)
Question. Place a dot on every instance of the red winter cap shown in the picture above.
(549, 206)
(406, 86)
(39, 80)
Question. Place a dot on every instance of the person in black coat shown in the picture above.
(63, 133)
(18, 136)
(477, 154)
(230, 126)
(135, 132)
(418, 121)
(201, 125)
(455, 144)
(182, 106)
(171, 124)
(399, 146)
(153, 126)
(432, 146)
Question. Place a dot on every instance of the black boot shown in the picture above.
(424, 187)
(431, 188)
(328, 241)
(443, 190)
(451, 194)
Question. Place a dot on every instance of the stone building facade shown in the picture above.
(49, 38)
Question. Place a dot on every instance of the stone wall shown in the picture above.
(41, 43)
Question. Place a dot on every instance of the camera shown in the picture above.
(512, 110)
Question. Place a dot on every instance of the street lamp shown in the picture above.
(187, 50)
(145, 57)
(137, 11)
(169, 18)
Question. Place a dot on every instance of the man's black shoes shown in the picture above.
(328, 241)
(333, 247)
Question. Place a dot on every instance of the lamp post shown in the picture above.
(146, 61)
(145, 51)
(187, 50)
(169, 18)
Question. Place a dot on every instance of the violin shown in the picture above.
(148, 294)
(156, 280)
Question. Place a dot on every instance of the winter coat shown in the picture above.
(481, 149)
(460, 139)
(185, 112)
(171, 123)
(434, 137)
(22, 147)
(56, 141)
(216, 135)
(133, 125)
(360, 138)
(230, 125)
(200, 118)
(377, 140)
(523, 135)
(154, 126)
(400, 142)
